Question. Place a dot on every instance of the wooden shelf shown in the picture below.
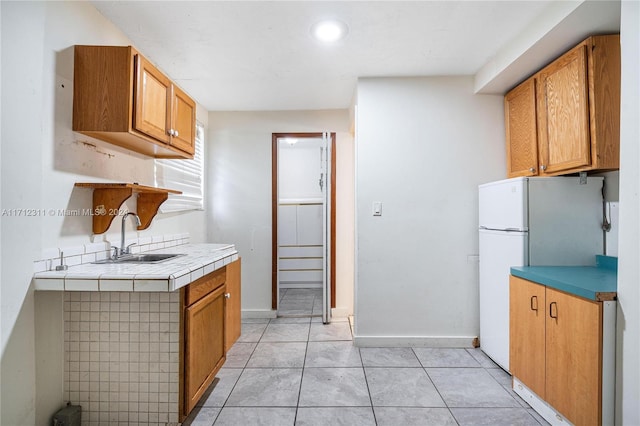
(108, 197)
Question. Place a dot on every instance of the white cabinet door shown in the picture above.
(287, 225)
(309, 220)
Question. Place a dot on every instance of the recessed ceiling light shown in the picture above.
(329, 31)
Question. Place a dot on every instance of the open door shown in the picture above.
(325, 184)
(325, 256)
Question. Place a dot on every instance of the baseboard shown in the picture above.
(415, 341)
(340, 312)
(259, 313)
(539, 405)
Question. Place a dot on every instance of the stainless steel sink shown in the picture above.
(141, 258)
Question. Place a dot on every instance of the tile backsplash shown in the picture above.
(92, 252)
(122, 356)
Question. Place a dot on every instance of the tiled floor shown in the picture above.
(298, 301)
(298, 371)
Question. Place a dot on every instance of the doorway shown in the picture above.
(303, 223)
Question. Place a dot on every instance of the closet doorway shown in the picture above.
(303, 223)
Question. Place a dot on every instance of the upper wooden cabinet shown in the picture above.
(121, 98)
(576, 104)
(520, 122)
(183, 119)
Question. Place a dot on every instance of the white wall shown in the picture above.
(423, 146)
(41, 160)
(628, 344)
(240, 189)
(299, 169)
(1, 339)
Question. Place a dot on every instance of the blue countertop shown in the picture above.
(598, 282)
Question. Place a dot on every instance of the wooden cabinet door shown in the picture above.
(183, 121)
(574, 357)
(152, 100)
(527, 333)
(521, 130)
(204, 351)
(563, 113)
(233, 318)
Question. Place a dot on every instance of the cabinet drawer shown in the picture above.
(203, 286)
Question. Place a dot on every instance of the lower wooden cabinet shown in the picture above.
(203, 315)
(574, 357)
(557, 350)
(211, 316)
(233, 320)
(177, 340)
(527, 333)
(204, 351)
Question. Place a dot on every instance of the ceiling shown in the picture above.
(241, 55)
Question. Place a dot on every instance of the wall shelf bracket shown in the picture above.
(109, 197)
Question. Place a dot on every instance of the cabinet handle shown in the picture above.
(543, 167)
(551, 305)
(170, 132)
(534, 303)
(227, 295)
(532, 169)
(175, 133)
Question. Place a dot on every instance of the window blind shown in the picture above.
(185, 176)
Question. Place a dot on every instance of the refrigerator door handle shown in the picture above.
(484, 228)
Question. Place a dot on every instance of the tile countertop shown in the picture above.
(170, 275)
(591, 282)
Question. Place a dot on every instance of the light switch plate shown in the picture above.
(377, 208)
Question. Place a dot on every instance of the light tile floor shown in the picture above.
(298, 371)
(300, 301)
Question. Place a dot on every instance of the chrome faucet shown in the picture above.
(125, 250)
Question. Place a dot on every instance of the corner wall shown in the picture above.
(628, 321)
(240, 188)
(41, 160)
(423, 146)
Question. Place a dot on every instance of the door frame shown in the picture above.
(274, 212)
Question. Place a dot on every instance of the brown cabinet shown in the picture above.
(556, 348)
(527, 333)
(234, 304)
(211, 315)
(574, 357)
(204, 311)
(576, 104)
(121, 98)
(520, 128)
(183, 119)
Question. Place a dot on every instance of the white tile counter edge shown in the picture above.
(199, 260)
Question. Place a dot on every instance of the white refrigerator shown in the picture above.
(531, 221)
